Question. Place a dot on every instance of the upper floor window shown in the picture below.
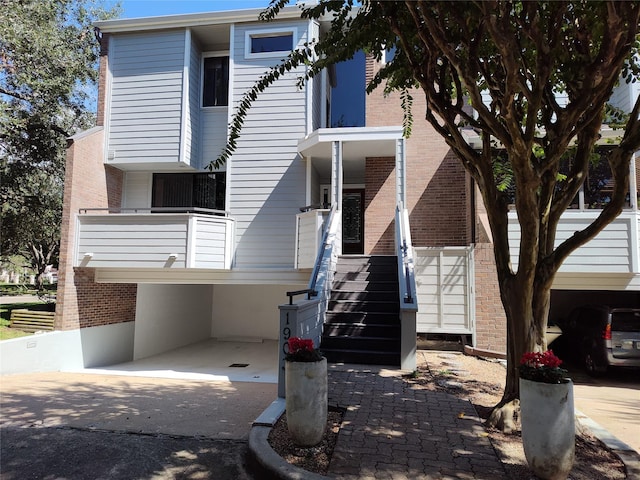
(189, 190)
(267, 43)
(215, 82)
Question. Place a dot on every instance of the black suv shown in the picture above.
(603, 336)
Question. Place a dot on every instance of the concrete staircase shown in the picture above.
(363, 316)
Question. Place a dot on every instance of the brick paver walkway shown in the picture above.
(396, 430)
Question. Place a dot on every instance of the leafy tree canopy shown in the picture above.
(532, 79)
(48, 72)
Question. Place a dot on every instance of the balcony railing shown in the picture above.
(309, 230)
(616, 249)
(154, 238)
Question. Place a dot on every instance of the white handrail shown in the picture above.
(404, 250)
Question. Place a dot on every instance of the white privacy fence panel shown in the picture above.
(444, 280)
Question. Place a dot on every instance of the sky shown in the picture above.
(148, 8)
(348, 110)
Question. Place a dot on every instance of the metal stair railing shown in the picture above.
(407, 289)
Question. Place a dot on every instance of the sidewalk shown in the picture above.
(9, 299)
(395, 430)
(391, 426)
(392, 429)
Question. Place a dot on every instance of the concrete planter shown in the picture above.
(548, 428)
(306, 401)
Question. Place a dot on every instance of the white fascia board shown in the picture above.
(257, 276)
(85, 133)
(190, 20)
(349, 134)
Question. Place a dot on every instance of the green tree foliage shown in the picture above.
(498, 68)
(48, 72)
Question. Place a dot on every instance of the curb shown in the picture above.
(627, 455)
(263, 458)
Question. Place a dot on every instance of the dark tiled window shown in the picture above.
(189, 190)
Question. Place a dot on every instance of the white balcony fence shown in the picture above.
(616, 249)
(309, 230)
(154, 240)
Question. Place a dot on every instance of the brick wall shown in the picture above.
(440, 203)
(379, 205)
(438, 196)
(102, 78)
(102, 303)
(88, 184)
(491, 323)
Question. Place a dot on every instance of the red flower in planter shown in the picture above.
(302, 350)
(542, 367)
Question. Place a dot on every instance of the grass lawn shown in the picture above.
(5, 314)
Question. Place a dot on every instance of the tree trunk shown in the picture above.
(526, 306)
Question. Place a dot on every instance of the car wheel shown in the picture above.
(590, 366)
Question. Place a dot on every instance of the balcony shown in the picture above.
(611, 260)
(168, 238)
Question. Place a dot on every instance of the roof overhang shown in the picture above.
(358, 142)
(191, 20)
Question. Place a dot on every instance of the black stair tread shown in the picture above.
(346, 289)
(362, 309)
(355, 300)
(386, 331)
(353, 350)
(349, 324)
(362, 357)
(362, 324)
(368, 317)
(361, 337)
(357, 288)
(368, 258)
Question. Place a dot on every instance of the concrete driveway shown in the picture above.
(612, 401)
(64, 425)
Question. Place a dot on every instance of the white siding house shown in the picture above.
(192, 253)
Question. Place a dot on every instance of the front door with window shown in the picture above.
(353, 221)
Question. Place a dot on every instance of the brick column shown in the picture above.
(491, 322)
(88, 184)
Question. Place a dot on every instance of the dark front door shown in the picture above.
(353, 221)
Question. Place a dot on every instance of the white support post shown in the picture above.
(192, 238)
(408, 343)
(336, 175)
(401, 172)
(633, 185)
(307, 196)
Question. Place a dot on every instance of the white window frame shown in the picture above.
(269, 32)
(221, 53)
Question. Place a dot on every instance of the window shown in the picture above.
(272, 43)
(264, 43)
(215, 82)
(189, 190)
